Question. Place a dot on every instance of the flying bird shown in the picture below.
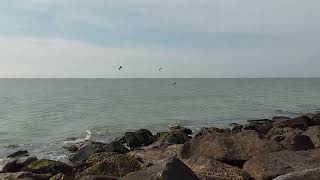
(160, 69)
(120, 68)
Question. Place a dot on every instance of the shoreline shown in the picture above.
(241, 151)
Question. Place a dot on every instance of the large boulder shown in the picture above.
(89, 147)
(205, 130)
(270, 165)
(208, 168)
(314, 118)
(180, 129)
(45, 166)
(231, 148)
(301, 122)
(309, 174)
(154, 155)
(295, 141)
(18, 154)
(23, 175)
(313, 132)
(117, 165)
(168, 169)
(279, 133)
(173, 137)
(262, 126)
(17, 164)
(142, 137)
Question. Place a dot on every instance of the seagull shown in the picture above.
(160, 69)
(120, 68)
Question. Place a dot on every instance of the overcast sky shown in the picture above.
(188, 38)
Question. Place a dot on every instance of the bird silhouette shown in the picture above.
(160, 69)
(120, 68)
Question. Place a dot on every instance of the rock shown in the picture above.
(208, 168)
(236, 128)
(230, 148)
(314, 118)
(296, 142)
(313, 132)
(301, 122)
(309, 174)
(279, 133)
(149, 156)
(95, 177)
(71, 147)
(18, 154)
(271, 165)
(139, 138)
(18, 164)
(174, 137)
(117, 165)
(262, 126)
(24, 175)
(159, 135)
(280, 118)
(180, 129)
(169, 169)
(61, 176)
(90, 147)
(204, 131)
(45, 166)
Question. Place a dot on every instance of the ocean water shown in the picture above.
(39, 114)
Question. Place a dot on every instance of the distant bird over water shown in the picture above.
(160, 69)
(120, 68)
(174, 83)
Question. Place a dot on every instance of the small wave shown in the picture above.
(79, 140)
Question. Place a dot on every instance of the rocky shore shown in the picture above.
(281, 148)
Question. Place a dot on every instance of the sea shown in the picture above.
(40, 115)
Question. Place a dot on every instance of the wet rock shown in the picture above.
(90, 147)
(314, 118)
(301, 122)
(208, 168)
(168, 169)
(117, 165)
(18, 154)
(96, 177)
(262, 126)
(313, 132)
(24, 175)
(309, 174)
(280, 118)
(174, 137)
(45, 166)
(18, 164)
(236, 128)
(139, 138)
(71, 147)
(149, 156)
(61, 176)
(180, 129)
(271, 165)
(231, 148)
(159, 135)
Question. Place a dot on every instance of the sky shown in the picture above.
(187, 38)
